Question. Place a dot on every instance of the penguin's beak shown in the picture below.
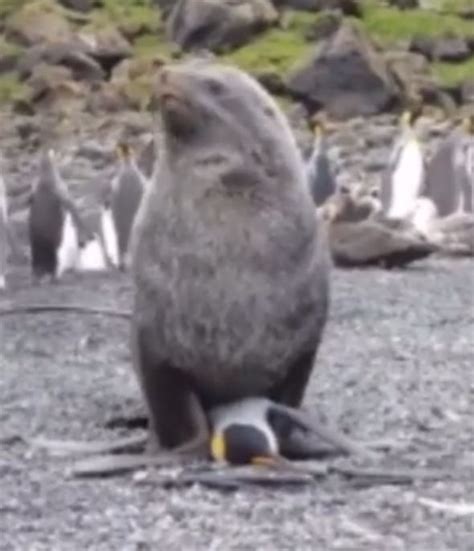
(265, 461)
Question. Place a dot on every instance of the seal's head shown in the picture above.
(205, 104)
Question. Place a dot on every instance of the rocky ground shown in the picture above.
(396, 362)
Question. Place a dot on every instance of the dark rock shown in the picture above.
(218, 25)
(80, 5)
(412, 71)
(327, 24)
(106, 45)
(347, 7)
(8, 62)
(470, 42)
(106, 97)
(53, 88)
(467, 91)
(404, 4)
(272, 81)
(423, 45)
(83, 67)
(303, 5)
(451, 48)
(347, 77)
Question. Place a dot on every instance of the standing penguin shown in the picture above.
(321, 181)
(464, 164)
(54, 223)
(3, 234)
(120, 208)
(148, 158)
(450, 172)
(403, 179)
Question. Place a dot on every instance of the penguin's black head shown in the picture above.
(240, 444)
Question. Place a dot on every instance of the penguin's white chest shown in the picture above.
(423, 215)
(91, 257)
(68, 250)
(407, 181)
(109, 234)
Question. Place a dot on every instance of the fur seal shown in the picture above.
(450, 172)
(321, 181)
(356, 240)
(120, 208)
(403, 180)
(230, 267)
(453, 234)
(55, 225)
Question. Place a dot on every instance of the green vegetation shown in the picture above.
(389, 25)
(277, 49)
(11, 88)
(133, 17)
(452, 74)
(7, 6)
(9, 49)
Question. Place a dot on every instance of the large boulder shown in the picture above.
(106, 45)
(38, 22)
(52, 88)
(346, 76)
(450, 48)
(69, 55)
(218, 25)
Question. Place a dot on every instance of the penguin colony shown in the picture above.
(421, 208)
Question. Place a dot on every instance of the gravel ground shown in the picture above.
(396, 362)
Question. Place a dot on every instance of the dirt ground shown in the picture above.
(396, 362)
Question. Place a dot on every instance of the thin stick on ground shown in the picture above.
(73, 308)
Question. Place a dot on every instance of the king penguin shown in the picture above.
(54, 222)
(403, 179)
(321, 181)
(250, 431)
(464, 164)
(119, 209)
(450, 172)
(3, 234)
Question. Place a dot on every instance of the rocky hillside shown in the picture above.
(348, 57)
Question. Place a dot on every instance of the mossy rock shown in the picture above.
(38, 21)
(11, 89)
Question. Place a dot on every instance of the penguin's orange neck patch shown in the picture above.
(218, 447)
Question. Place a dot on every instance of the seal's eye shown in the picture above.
(215, 87)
